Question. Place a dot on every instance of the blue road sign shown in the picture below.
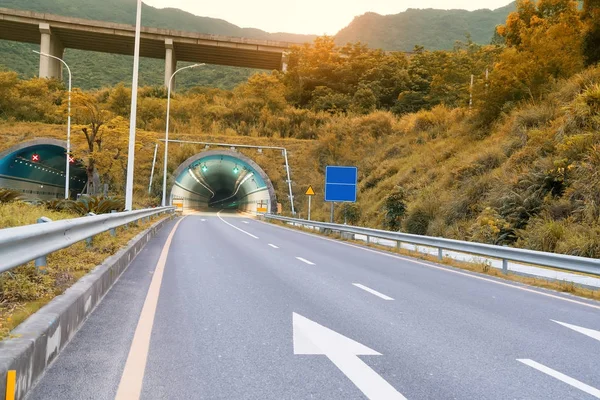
(340, 184)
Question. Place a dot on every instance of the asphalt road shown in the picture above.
(238, 298)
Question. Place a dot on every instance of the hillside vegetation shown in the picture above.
(95, 70)
(432, 29)
(519, 167)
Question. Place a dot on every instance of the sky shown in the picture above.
(309, 16)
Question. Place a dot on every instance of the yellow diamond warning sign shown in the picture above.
(310, 191)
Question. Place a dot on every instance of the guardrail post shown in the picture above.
(398, 245)
(89, 241)
(113, 231)
(504, 266)
(41, 263)
(440, 253)
(368, 239)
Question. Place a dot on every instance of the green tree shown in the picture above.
(394, 208)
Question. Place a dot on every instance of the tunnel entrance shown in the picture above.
(222, 179)
(37, 169)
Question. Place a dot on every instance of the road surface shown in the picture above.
(240, 309)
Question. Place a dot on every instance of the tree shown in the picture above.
(395, 208)
(350, 212)
(88, 111)
(544, 44)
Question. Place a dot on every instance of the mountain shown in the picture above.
(123, 12)
(433, 29)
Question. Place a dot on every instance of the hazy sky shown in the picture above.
(309, 16)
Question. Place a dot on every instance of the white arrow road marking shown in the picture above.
(203, 220)
(375, 292)
(246, 222)
(588, 332)
(562, 377)
(233, 226)
(273, 246)
(305, 261)
(311, 338)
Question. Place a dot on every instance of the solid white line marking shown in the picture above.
(305, 261)
(233, 226)
(562, 377)
(273, 246)
(445, 269)
(588, 332)
(311, 338)
(375, 292)
(130, 386)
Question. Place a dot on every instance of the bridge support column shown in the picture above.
(50, 44)
(170, 63)
(285, 59)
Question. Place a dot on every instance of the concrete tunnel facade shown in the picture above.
(222, 179)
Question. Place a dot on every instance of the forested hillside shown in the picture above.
(518, 167)
(432, 29)
(96, 70)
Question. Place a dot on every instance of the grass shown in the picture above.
(23, 290)
(481, 268)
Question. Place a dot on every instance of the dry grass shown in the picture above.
(23, 290)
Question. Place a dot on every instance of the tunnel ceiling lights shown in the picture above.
(204, 168)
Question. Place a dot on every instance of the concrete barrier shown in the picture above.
(35, 343)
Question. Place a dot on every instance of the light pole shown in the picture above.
(67, 175)
(133, 116)
(164, 191)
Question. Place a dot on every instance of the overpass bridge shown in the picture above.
(55, 33)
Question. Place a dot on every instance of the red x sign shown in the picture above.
(35, 157)
(71, 160)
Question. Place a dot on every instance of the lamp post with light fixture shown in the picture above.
(67, 178)
(164, 191)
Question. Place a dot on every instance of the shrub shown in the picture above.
(421, 214)
(542, 234)
(9, 195)
(350, 213)
(96, 205)
(581, 240)
(490, 228)
(394, 208)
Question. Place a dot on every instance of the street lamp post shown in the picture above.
(164, 191)
(133, 116)
(67, 174)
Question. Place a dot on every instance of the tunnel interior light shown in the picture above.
(204, 168)
(236, 169)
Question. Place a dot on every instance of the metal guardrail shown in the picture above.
(559, 261)
(22, 244)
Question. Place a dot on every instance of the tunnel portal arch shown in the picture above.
(223, 179)
(36, 168)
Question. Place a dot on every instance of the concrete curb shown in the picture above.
(39, 339)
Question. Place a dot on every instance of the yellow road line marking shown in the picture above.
(130, 387)
(11, 380)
